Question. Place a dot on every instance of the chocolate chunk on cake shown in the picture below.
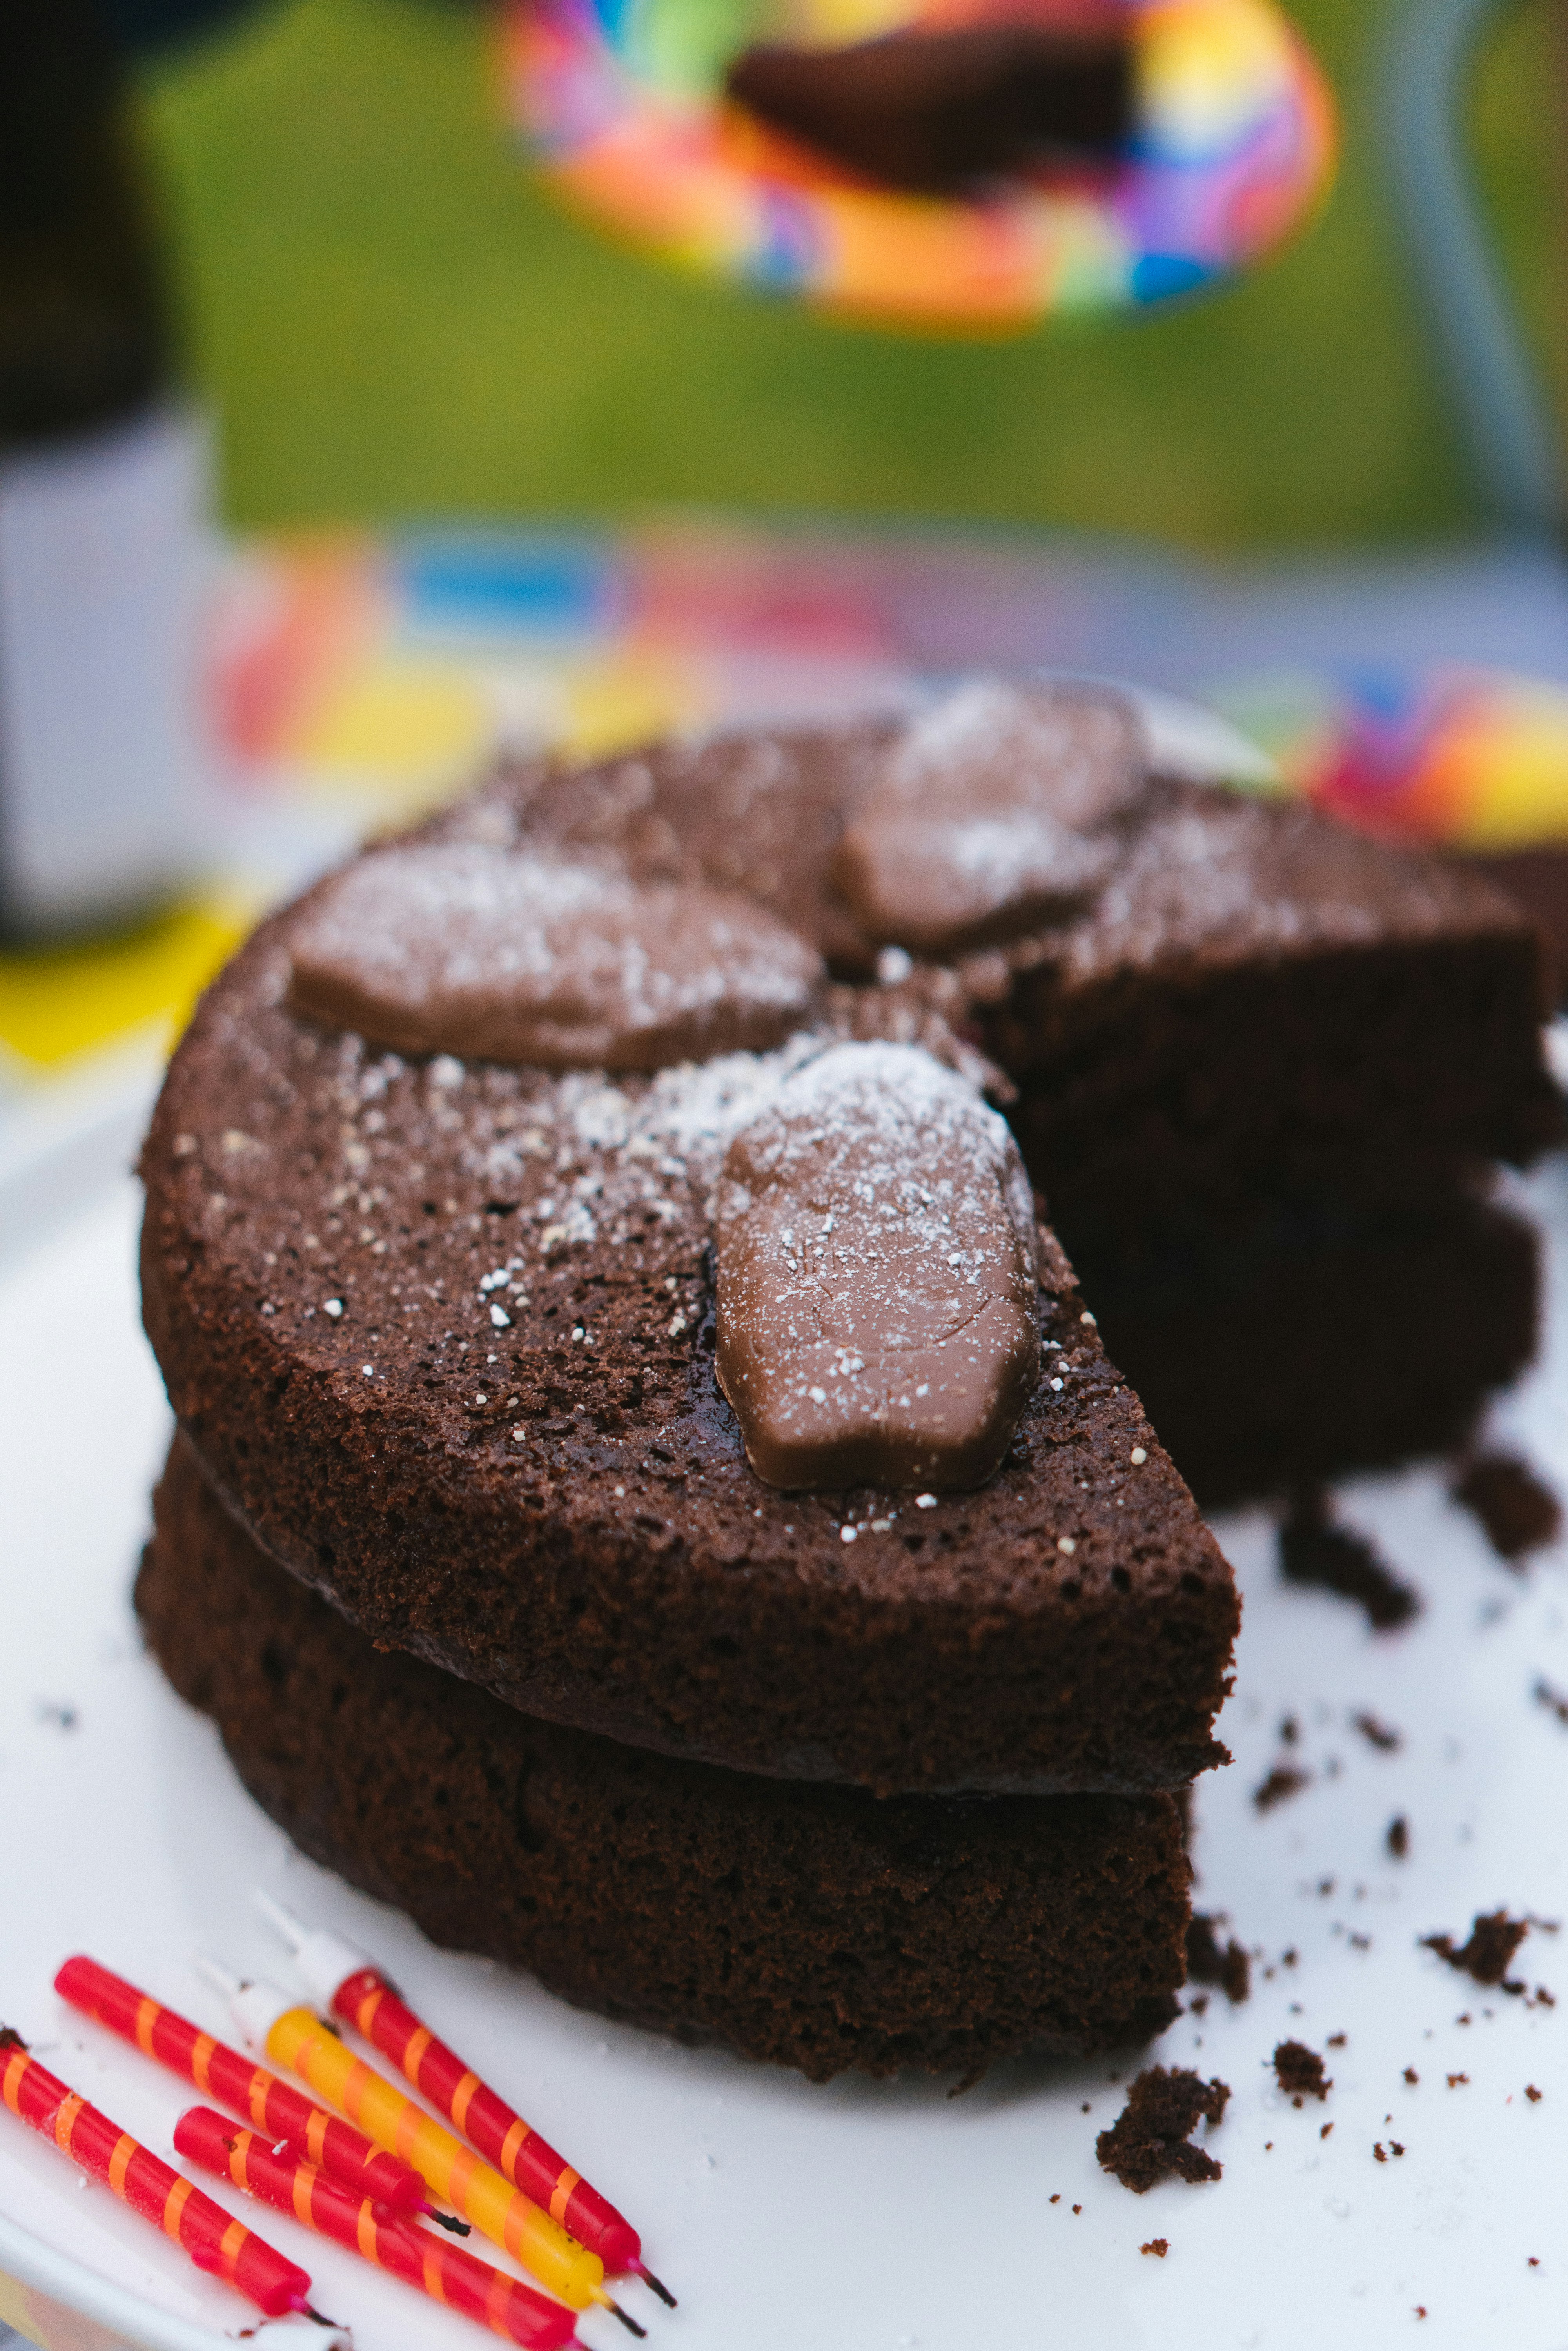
(443, 946)
(877, 1278)
(936, 110)
(802, 1924)
(443, 1334)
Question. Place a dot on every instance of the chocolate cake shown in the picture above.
(444, 1336)
(617, 1349)
(803, 1924)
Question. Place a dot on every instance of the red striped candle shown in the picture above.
(441, 2270)
(213, 2239)
(173, 2041)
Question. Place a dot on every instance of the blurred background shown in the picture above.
(392, 317)
(435, 462)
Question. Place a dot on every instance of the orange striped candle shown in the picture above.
(215, 2241)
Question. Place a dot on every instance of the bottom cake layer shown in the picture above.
(802, 1923)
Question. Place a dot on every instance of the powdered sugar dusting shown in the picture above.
(1074, 751)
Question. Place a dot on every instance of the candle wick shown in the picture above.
(649, 2279)
(448, 2220)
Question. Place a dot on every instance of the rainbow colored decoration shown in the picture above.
(1469, 759)
(620, 104)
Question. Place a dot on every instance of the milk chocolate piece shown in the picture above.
(462, 948)
(877, 1277)
(988, 817)
(935, 110)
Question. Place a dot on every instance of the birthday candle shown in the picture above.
(441, 2270)
(336, 2147)
(268, 2020)
(213, 2239)
(346, 1980)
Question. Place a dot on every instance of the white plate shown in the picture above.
(864, 2215)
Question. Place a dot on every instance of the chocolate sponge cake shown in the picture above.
(798, 1923)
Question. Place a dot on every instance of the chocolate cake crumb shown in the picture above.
(1457, 2080)
(1399, 1837)
(1325, 2130)
(1394, 2148)
(1553, 1700)
(1517, 1513)
(1411, 2075)
(1378, 1734)
(1283, 1781)
(1149, 2140)
(10, 2038)
(1316, 1552)
(1336, 2039)
(1230, 1969)
(1494, 1939)
(1158, 2246)
(1377, 2151)
(1300, 2072)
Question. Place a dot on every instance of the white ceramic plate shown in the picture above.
(867, 2216)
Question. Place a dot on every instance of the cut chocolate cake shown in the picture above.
(805, 1925)
(444, 1336)
(579, 1247)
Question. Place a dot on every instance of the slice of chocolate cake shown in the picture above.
(443, 1334)
(805, 1925)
